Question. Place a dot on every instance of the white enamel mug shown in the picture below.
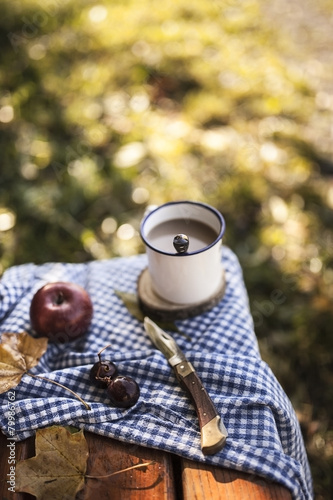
(196, 275)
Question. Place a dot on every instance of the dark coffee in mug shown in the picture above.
(200, 235)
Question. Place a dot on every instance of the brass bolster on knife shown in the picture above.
(213, 436)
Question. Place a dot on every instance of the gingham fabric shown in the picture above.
(264, 434)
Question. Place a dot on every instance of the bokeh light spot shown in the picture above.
(126, 232)
(98, 13)
(7, 220)
(6, 114)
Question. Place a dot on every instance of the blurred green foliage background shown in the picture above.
(107, 107)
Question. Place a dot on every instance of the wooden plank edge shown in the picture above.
(201, 482)
(108, 455)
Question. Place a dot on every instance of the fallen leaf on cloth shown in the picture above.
(58, 469)
(18, 353)
(131, 302)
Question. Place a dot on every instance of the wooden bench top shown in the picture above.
(169, 478)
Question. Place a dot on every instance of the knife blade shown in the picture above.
(212, 429)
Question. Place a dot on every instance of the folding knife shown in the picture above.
(213, 432)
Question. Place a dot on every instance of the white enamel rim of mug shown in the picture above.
(216, 216)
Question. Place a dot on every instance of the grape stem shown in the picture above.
(100, 352)
(137, 466)
(62, 386)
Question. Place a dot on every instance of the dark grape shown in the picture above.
(123, 391)
(102, 372)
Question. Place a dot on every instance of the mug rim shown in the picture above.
(189, 202)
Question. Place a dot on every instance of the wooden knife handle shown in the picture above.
(213, 432)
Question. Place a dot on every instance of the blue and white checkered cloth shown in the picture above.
(264, 434)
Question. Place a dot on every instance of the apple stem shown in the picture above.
(60, 298)
(62, 386)
(137, 466)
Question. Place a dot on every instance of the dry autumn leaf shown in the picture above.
(19, 352)
(58, 470)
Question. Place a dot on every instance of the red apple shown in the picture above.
(61, 311)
